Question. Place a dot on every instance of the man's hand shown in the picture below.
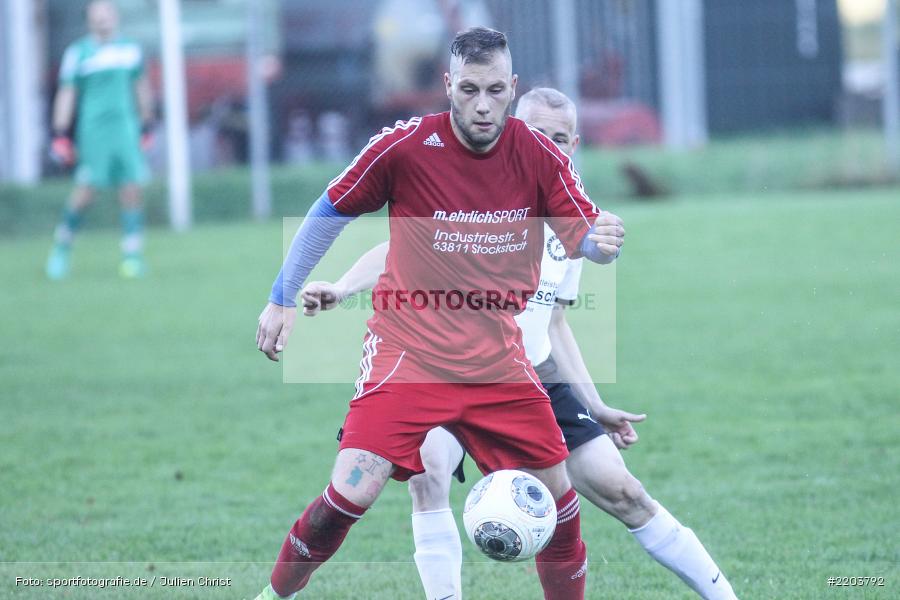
(321, 295)
(62, 151)
(609, 233)
(618, 424)
(275, 325)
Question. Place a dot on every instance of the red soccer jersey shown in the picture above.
(466, 237)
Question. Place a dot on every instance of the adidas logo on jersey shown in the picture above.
(434, 140)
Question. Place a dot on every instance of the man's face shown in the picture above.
(103, 19)
(558, 124)
(480, 98)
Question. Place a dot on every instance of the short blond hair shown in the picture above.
(549, 97)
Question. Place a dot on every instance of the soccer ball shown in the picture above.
(510, 515)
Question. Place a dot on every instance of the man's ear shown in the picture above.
(515, 80)
(575, 142)
(448, 85)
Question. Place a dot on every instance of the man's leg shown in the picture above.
(600, 475)
(562, 565)
(64, 234)
(357, 480)
(438, 549)
(508, 426)
(132, 264)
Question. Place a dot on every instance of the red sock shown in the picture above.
(313, 539)
(562, 566)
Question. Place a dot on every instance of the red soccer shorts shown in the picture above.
(398, 401)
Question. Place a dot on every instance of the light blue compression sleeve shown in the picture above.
(591, 252)
(322, 225)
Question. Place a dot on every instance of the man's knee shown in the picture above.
(430, 490)
(360, 475)
(81, 198)
(130, 196)
(629, 500)
(631, 493)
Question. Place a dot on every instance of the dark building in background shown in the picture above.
(615, 46)
(348, 67)
(615, 42)
(327, 57)
(771, 63)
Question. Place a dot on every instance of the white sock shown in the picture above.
(438, 554)
(677, 548)
(270, 594)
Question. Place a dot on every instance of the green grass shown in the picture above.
(750, 164)
(760, 163)
(221, 195)
(143, 435)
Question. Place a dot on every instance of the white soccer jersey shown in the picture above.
(558, 283)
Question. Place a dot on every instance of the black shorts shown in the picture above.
(577, 424)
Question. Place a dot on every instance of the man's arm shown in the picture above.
(315, 236)
(144, 96)
(363, 275)
(569, 209)
(64, 108)
(66, 93)
(61, 148)
(364, 186)
(567, 356)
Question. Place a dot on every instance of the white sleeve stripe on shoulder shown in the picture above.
(414, 123)
(372, 141)
(572, 198)
(569, 167)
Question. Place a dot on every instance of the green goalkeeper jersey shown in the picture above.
(103, 75)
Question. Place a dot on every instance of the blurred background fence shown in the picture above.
(770, 93)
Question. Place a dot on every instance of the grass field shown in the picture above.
(143, 435)
(802, 159)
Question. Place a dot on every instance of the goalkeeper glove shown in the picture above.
(62, 151)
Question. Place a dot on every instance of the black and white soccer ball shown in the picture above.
(510, 515)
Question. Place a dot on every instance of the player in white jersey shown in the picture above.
(593, 431)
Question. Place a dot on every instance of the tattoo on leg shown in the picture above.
(376, 462)
(355, 477)
(373, 489)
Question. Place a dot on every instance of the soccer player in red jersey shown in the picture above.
(594, 432)
(468, 192)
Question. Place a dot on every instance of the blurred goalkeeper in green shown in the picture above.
(102, 80)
